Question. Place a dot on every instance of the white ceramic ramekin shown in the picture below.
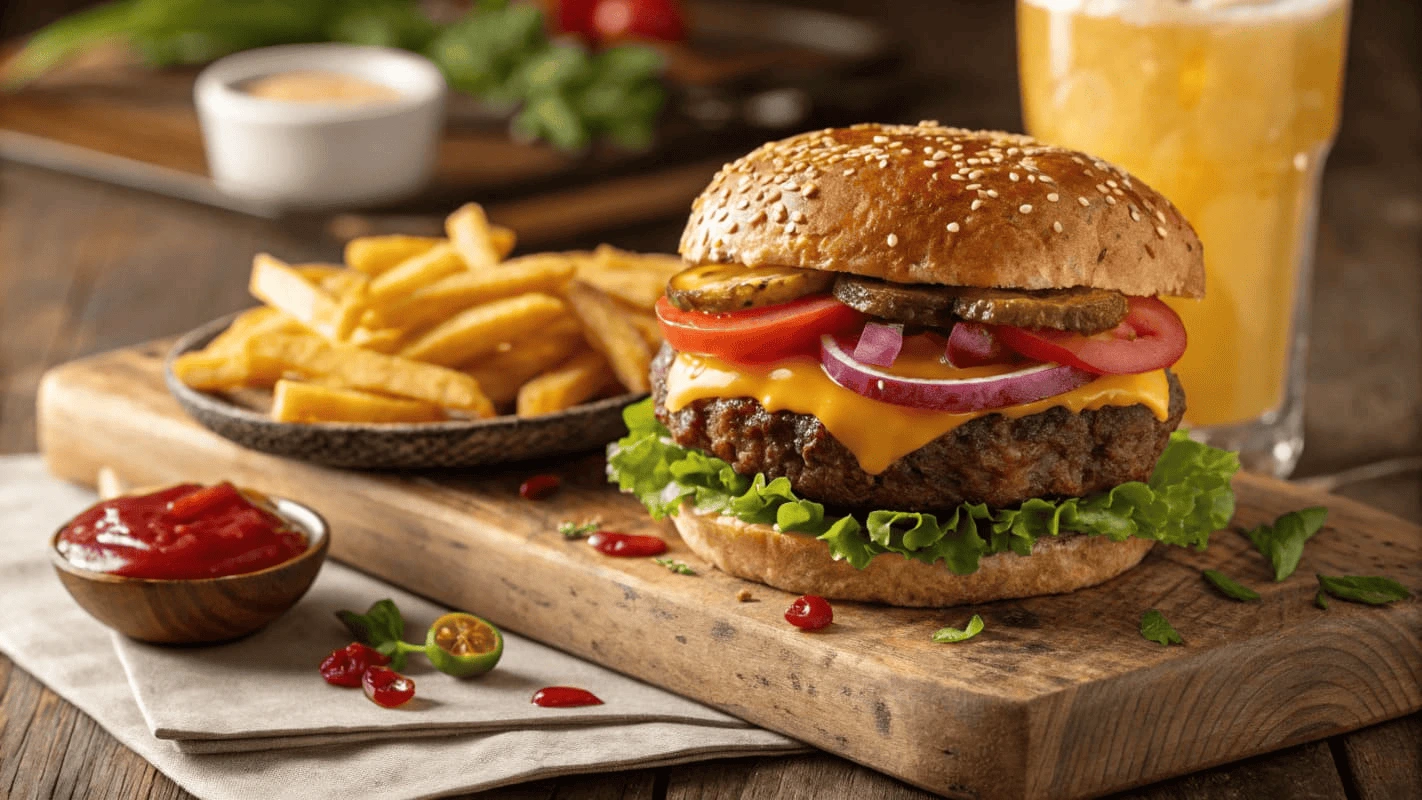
(298, 155)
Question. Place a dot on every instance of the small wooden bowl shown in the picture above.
(205, 609)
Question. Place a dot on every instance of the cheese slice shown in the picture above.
(879, 433)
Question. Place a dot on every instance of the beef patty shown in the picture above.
(992, 460)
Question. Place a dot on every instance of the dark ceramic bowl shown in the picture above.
(455, 443)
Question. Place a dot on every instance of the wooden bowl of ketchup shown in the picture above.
(190, 564)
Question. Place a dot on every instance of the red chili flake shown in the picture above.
(626, 545)
(809, 612)
(564, 697)
(539, 487)
(345, 665)
(386, 687)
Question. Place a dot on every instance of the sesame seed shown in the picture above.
(1025, 208)
(789, 227)
(931, 164)
(992, 193)
(1110, 201)
(1047, 179)
(1012, 176)
(1135, 215)
(1111, 183)
(1053, 197)
(780, 214)
(1031, 178)
(880, 139)
(893, 240)
(798, 216)
(952, 227)
(975, 174)
(733, 227)
(1161, 231)
(790, 186)
(955, 176)
(809, 190)
(1083, 201)
(1160, 215)
(977, 204)
(743, 205)
(972, 187)
(1102, 189)
(1057, 226)
(849, 172)
(880, 384)
(939, 155)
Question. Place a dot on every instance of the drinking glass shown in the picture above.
(1228, 108)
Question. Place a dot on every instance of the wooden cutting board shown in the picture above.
(1059, 697)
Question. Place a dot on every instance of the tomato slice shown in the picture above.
(757, 335)
(1151, 337)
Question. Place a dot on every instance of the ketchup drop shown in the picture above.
(539, 487)
(564, 697)
(626, 545)
(810, 613)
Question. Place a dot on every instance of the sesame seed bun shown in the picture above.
(928, 204)
(799, 563)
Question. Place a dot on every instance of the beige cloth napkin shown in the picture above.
(263, 691)
(49, 636)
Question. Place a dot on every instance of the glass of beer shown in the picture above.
(1228, 108)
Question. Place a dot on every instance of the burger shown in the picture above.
(925, 366)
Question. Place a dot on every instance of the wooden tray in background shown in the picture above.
(1060, 697)
(111, 121)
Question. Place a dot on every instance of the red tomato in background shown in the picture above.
(573, 16)
(1151, 337)
(638, 19)
(756, 335)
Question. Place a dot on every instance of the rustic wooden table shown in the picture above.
(86, 267)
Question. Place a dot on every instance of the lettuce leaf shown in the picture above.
(1187, 498)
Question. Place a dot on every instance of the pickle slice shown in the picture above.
(1081, 309)
(733, 287)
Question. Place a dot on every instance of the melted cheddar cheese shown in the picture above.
(880, 433)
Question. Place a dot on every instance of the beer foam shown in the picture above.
(1147, 12)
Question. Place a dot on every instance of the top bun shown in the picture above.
(928, 204)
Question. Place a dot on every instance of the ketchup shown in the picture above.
(564, 697)
(186, 532)
(626, 545)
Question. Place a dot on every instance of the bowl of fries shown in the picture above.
(425, 352)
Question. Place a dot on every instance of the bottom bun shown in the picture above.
(802, 564)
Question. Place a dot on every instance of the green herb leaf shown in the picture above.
(950, 635)
(380, 627)
(1229, 587)
(1321, 599)
(1156, 628)
(1187, 498)
(1283, 542)
(578, 530)
(675, 566)
(1372, 590)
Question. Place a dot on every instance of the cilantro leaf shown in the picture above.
(950, 635)
(1372, 590)
(1156, 628)
(380, 627)
(1283, 542)
(1187, 498)
(1230, 588)
(578, 530)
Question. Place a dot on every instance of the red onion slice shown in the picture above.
(1032, 382)
(879, 344)
(970, 345)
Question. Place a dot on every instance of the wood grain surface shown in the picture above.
(1059, 698)
(86, 267)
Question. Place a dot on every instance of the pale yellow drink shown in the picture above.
(1227, 108)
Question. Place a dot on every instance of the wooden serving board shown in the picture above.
(1059, 697)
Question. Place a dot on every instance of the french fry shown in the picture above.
(334, 280)
(571, 383)
(480, 244)
(347, 367)
(611, 333)
(232, 339)
(294, 401)
(481, 329)
(374, 255)
(646, 324)
(637, 279)
(278, 285)
(215, 371)
(414, 272)
(461, 290)
(381, 340)
(663, 264)
(503, 373)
